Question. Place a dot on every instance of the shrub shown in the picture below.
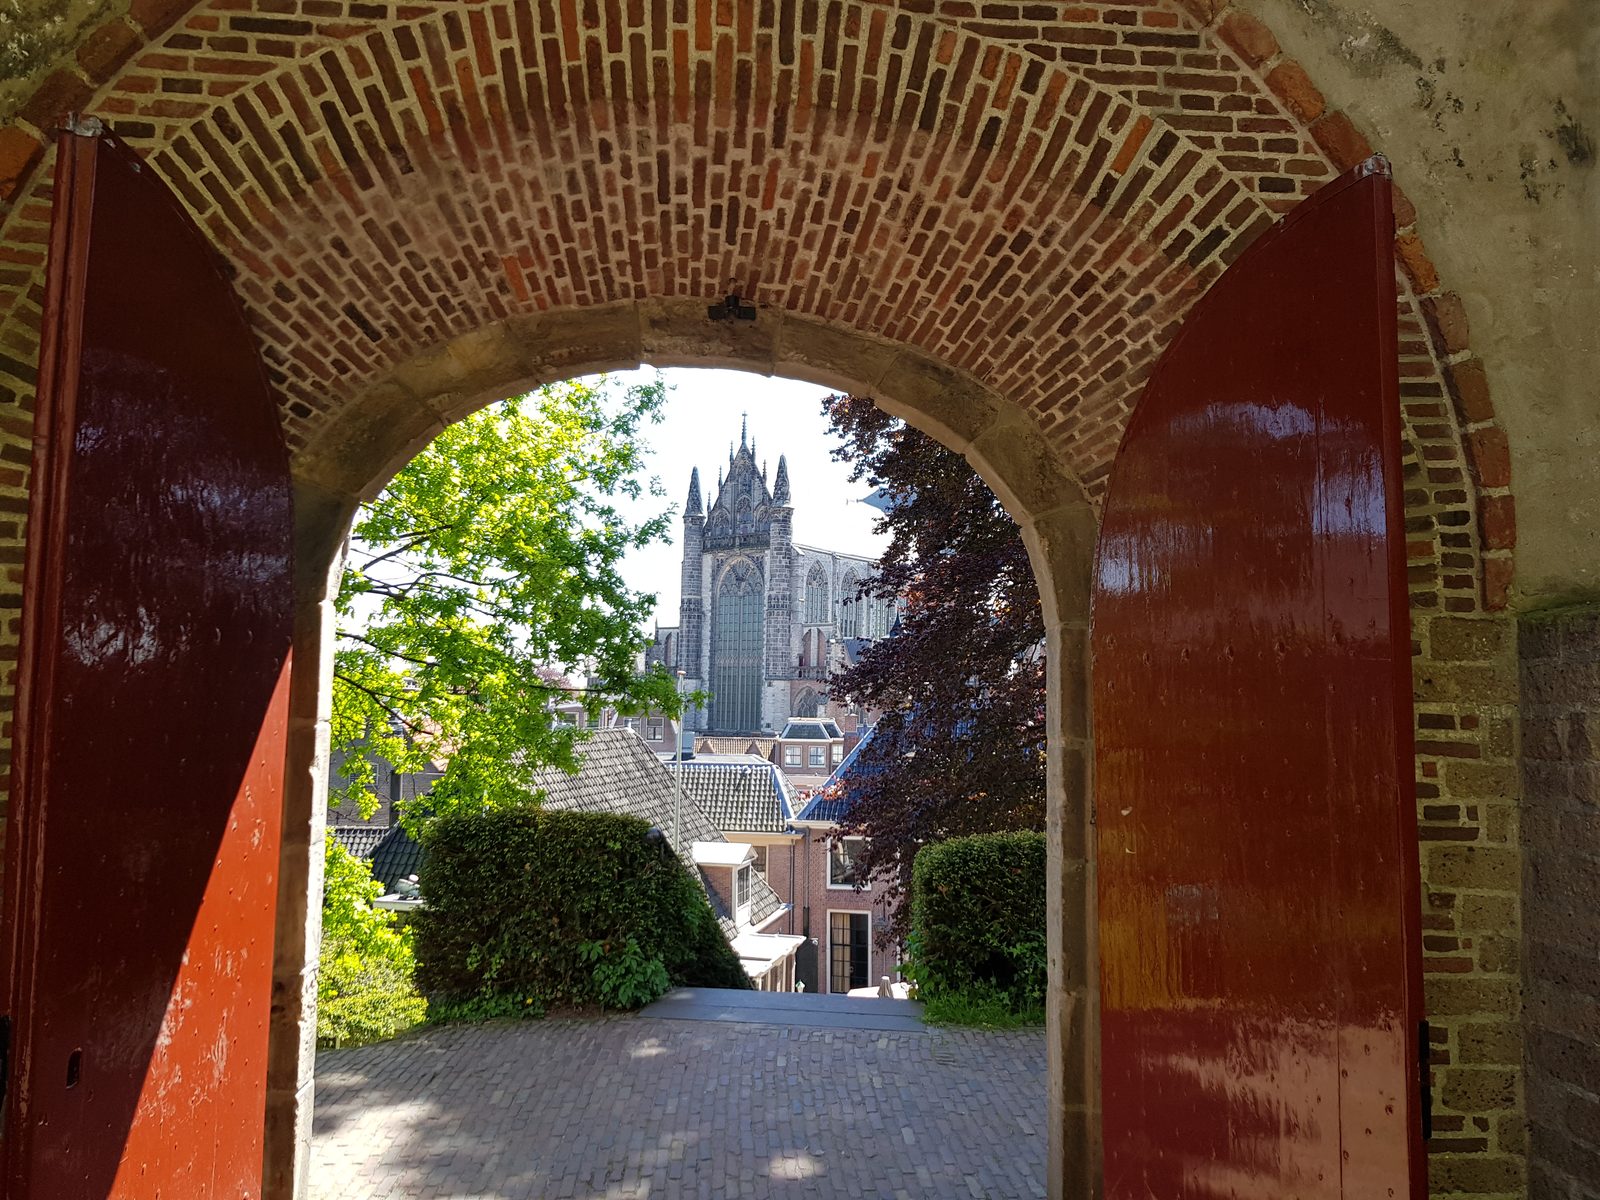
(365, 989)
(530, 909)
(977, 944)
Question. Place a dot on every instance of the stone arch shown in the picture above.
(359, 231)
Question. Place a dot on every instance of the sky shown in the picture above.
(701, 417)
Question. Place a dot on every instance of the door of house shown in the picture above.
(1257, 847)
(142, 845)
(849, 950)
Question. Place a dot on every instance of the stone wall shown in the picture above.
(1560, 659)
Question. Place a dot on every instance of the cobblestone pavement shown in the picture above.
(627, 1108)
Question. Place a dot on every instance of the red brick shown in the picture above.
(1498, 515)
(19, 152)
(1253, 40)
(1204, 11)
(107, 49)
(61, 93)
(157, 16)
(1341, 141)
(1290, 83)
(1497, 579)
(1490, 456)
(1415, 262)
(1447, 321)
(1470, 387)
(1405, 213)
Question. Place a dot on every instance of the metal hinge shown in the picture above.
(1424, 1086)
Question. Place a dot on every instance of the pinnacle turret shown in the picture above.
(694, 508)
(780, 486)
(744, 426)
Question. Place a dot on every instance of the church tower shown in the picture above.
(691, 606)
(780, 664)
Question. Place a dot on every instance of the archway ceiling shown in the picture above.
(1037, 213)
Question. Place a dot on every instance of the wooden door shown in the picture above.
(1257, 850)
(142, 843)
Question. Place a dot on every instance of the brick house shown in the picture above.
(750, 799)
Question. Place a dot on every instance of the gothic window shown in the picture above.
(669, 652)
(816, 595)
(736, 651)
(742, 520)
(806, 705)
(849, 606)
(719, 525)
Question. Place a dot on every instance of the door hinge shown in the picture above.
(1424, 1085)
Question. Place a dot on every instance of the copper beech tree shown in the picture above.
(960, 745)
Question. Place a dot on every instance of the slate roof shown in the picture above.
(831, 802)
(360, 840)
(820, 729)
(739, 793)
(620, 774)
(395, 857)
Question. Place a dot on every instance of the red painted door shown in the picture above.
(1257, 848)
(142, 845)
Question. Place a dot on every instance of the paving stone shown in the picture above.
(622, 1107)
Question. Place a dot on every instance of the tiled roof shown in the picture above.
(620, 774)
(360, 840)
(739, 793)
(395, 856)
(831, 802)
(761, 747)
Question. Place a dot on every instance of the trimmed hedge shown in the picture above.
(978, 919)
(527, 909)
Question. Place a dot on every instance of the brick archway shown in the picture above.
(425, 205)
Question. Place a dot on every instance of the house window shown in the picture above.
(849, 950)
(817, 759)
(842, 861)
(791, 756)
(838, 753)
(741, 890)
(657, 729)
(760, 863)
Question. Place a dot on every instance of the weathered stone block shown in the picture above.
(1468, 639)
(1490, 868)
(1479, 1089)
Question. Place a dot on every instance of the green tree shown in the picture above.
(365, 967)
(484, 572)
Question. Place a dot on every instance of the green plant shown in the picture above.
(628, 978)
(490, 1006)
(564, 908)
(365, 967)
(977, 945)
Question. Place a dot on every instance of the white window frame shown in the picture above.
(655, 729)
(840, 887)
(816, 757)
(791, 756)
(827, 972)
(741, 875)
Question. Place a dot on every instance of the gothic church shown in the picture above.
(762, 619)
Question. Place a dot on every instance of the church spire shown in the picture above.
(744, 426)
(780, 486)
(694, 508)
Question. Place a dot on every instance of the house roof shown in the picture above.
(395, 856)
(805, 729)
(831, 803)
(739, 793)
(360, 840)
(761, 747)
(619, 774)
